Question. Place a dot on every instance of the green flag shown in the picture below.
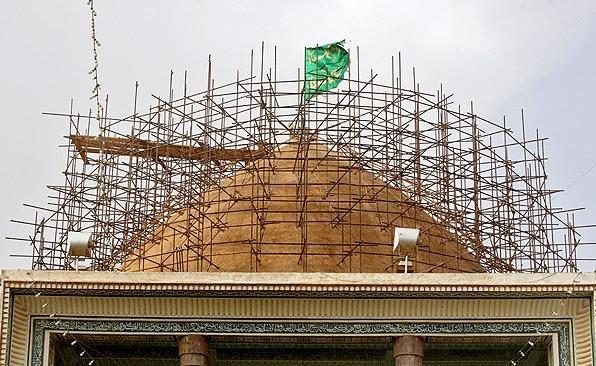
(325, 67)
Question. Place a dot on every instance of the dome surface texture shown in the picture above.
(304, 208)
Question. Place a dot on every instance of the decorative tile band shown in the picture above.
(280, 328)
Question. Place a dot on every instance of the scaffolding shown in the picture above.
(248, 170)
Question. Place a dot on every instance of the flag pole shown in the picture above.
(304, 79)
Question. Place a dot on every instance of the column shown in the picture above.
(408, 350)
(193, 350)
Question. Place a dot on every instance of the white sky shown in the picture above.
(503, 55)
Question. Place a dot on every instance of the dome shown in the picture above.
(304, 208)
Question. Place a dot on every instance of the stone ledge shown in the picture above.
(301, 282)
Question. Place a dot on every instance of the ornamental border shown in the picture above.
(301, 328)
(291, 292)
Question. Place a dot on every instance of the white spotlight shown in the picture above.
(405, 239)
(79, 244)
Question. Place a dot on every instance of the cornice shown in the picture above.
(301, 284)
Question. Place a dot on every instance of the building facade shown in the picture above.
(51, 317)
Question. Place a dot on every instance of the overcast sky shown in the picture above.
(503, 55)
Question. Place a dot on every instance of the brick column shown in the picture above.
(408, 350)
(193, 350)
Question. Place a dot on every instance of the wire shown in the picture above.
(581, 176)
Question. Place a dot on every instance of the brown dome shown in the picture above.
(305, 208)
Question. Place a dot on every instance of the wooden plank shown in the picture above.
(148, 149)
